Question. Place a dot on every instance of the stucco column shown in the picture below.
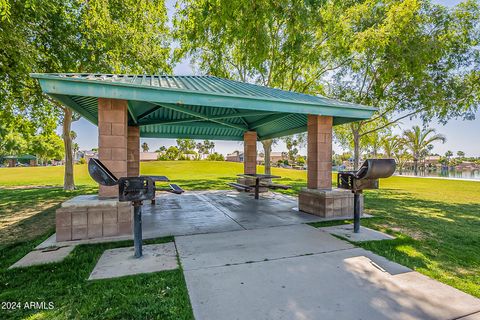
(319, 158)
(250, 152)
(133, 151)
(112, 140)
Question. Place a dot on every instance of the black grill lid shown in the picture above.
(100, 173)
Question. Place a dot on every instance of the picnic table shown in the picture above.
(258, 178)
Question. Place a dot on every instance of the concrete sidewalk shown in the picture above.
(299, 272)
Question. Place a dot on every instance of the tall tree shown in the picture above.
(409, 58)
(267, 148)
(283, 44)
(448, 155)
(418, 141)
(391, 144)
(47, 146)
(114, 36)
(294, 142)
(185, 146)
(209, 146)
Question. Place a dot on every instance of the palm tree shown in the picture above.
(145, 147)
(390, 144)
(448, 155)
(418, 140)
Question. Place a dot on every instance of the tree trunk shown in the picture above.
(267, 149)
(68, 182)
(356, 149)
(415, 166)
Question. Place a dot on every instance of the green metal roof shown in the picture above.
(198, 107)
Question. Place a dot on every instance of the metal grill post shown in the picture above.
(356, 212)
(137, 228)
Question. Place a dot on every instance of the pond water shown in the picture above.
(457, 174)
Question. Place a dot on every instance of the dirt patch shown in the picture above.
(29, 187)
(414, 234)
(26, 213)
(27, 224)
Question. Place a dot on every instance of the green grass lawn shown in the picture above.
(160, 295)
(436, 222)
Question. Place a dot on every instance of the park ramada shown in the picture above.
(436, 223)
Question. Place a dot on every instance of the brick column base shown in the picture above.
(335, 203)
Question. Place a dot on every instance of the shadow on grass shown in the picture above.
(27, 213)
(439, 239)
(160, 295)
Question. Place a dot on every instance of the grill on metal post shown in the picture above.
(365, 178)
(130, 189)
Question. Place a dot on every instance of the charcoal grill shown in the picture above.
(131, 189)
(364, 178)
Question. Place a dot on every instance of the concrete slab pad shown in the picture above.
(268, 211)
(198, 212)
(365, 234)
(121, 262)
(185, 214)
(219, 249)
(43, 256)
(475, 316)
(343, 284)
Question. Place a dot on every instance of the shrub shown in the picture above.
(215, 157)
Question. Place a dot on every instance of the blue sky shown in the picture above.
(460, 134)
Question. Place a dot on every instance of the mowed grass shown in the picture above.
(160, 295)
(436, 222)
(190, 173)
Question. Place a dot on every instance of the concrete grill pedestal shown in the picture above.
(332, 203)
(88, 217)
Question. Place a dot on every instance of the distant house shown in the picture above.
(432, 160)
(148, 156)
(235, 156)
(466, 165)
(274, 157)
(277, 156)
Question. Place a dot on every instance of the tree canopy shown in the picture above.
(116, 36)
(407, 58)
(404, 57)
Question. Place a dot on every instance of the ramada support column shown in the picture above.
(319, 157)
(319, 198)
(90, 217)
(133, 151)
(249, 157)
(112, 140)
(250, 152)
